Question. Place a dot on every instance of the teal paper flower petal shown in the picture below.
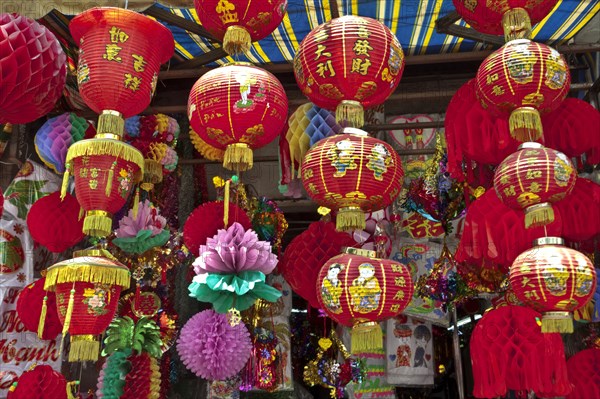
(142, 242)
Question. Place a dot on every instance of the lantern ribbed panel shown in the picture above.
(237, 103)
(349, 58)
(32, 69)
(119, 58)
(364, 290)
(553, 278)
(486, 16)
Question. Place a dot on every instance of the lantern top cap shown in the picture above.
(360, 252)
(530, 145)
(238, 63)
(516, 42)
(354, 131)
(548, 241)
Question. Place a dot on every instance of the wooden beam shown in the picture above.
(202, 60)
(335, 11)
(180, 22)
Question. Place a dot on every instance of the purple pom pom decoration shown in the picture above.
(132, 126)
(212, 348)
(322, 124)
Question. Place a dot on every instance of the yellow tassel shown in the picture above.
(70, 388)
(226, 204)
(84, 348)
(366, 337)
(238, 157)
(68, 316)
(97, 223)
(153, 171)
(111, 125)
(42, 322)
(13, 387)
(525, 124)
(236, 40)
(65, 182)
(351, 218)
(350, 113)
(89, 270)
(81, 213)
(516, 24)
(539, 215)
(109, 179)
(557, 322)
(136, 202)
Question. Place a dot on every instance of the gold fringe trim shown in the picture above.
(525, 124)
(238, 157)
(83, 348)
(539, 215)
(136, 202)
(110, 124)
(153, 171)
(237, 40)
(226, 204)
(366, 337)
(557, 322)
(351, 112)
(88, 272)
(516, 24)
(351, 218)
(106, 147)
(42, 322)
(97, 223)
(65, 182)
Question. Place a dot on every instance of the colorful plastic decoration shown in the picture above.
(139, 233)
(32, 301)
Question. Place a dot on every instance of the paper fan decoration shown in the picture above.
(206, 150)
(55, 137)
(206, 220)
(29, 308)
(212, 348)
(138, 233)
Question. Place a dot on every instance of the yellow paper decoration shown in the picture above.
(298, 141)
(206, 150)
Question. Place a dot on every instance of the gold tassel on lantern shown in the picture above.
(350, 218)
(557, 322)
(97, 223)
(83, 348)
(350, 113)
(516, 24)
(42, 322)
(539, 215)
(237, 40)
(88, 272)
(366, 337)
(525, 124)
(238, 157)
(109, 179)
(226, 204)
(136, 202)
(65, 182)
(111, 125)
(153, 174)
(68, 316)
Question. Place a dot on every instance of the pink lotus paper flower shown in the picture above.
(147, 219)
(235, 250)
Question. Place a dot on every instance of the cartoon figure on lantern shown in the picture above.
(520, 66)
(395, 60)
(583, 281)
(562, 169)
(225, 9)
(331, 288)
(422, 337)
(246, 83)
(365, 291)
(556, 71)
(403, 351)
(83, 70)
(96, 299)
(342, 158)
(556, 277)
(124, 179)
(379, 159)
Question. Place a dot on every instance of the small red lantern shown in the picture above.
(352, 173)
(87, 294)
(348, 64)
(119, 58)
(36, 308)
(55, 223)
(358, 290)
(523, 79)
(34, 69)
(513, 17)
(238, 107)
(532, 179)
(555, 280)
(237, 23)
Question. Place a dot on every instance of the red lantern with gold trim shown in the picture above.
(554, 280)
(523, 79)
(532, 179)
(352, 173)
(237, 23)
(358, 290)
(348, 64)
(120, 52)
(87, 294)
(511, 17)
(238, 107)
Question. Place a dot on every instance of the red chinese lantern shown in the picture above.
(120, 52)
(511, 17)
(532, 179)
(87, 294)
(55, 223)
(41, 382)
(1, 202)
(34, 69)
(237, 107)
(352, 173)
(523, 79)
(584, 374)
(358, 290)
(555, 280)
(237, 23)
(105, 172)
(348, 64)
(34, 301)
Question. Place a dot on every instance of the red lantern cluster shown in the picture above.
(238, 107)
(33, 69)
(555, 280)
(348, 64)
(352, 173)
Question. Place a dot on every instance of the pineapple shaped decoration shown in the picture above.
(132, 369)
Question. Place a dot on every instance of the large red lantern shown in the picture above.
(513, 17)
(358, 290)
(237, 23)
(238, 107)
(33, 69)
(523, 79)
(532, 179)
(348, 64)
(87, 294)
(120, 52)
(554, 280)
(352, 173)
